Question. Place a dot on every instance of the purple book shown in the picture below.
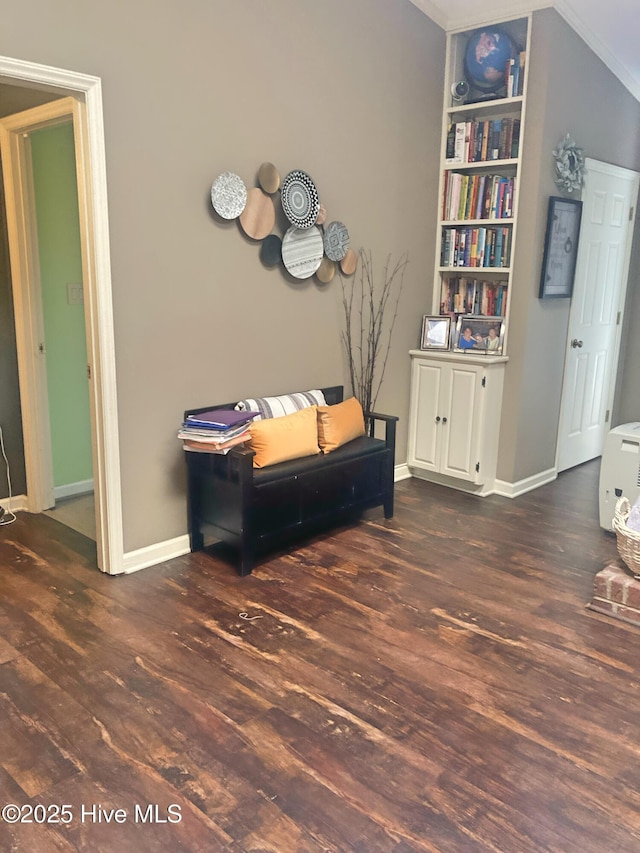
(219, 418)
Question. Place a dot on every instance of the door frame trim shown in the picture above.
(86, 102)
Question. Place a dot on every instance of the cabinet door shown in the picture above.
(425, 429)
(462, 432)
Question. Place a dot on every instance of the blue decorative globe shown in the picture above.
(486, 56)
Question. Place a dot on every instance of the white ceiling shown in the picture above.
(611, 28)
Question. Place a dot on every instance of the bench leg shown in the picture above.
(388, 506)
(247, 559)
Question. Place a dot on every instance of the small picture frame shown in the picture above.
(436, 332)
(560, 247)
(479, 334)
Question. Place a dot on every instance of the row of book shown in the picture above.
(481, 141)
(477, 196)
(215, 431)
(463, 295)
(476, 247)
(515, 74)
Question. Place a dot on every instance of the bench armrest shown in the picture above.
(390, 427)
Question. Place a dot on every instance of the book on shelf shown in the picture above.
(477, 246)
(482, 141)
(477, 196)
(466, 295)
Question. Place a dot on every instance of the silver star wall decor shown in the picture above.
(570, 168)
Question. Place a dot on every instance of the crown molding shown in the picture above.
(619, 69)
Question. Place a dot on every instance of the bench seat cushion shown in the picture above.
(362, 446)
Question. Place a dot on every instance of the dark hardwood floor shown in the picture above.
(428, 683)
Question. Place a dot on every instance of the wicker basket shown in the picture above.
(628, 540)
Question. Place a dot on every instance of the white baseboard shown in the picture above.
(513, 490)
(82, 487)
(151, 555)
(401, 472)
(143, 558)
(18, 503)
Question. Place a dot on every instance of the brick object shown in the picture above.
(616, 593)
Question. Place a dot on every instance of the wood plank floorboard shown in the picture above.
(432, 682)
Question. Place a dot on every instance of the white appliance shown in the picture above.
(619, 470)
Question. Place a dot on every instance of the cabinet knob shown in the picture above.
(444, 420)
(437, 419)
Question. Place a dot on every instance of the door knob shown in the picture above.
(576, 343)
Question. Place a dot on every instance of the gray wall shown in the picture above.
(350, 92)
(570, 91)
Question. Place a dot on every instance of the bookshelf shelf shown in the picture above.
(456, 223)
(477, 165)
(499, 106)
(478, 271)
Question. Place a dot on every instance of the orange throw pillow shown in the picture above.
(288, 437)
(339, 424)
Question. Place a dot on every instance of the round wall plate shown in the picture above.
(302, 251)
(269, 178)
(300, 200)
(349, 263)
(271, 251)
(228, 195)
(326, 271)
(336, 241)
(259, 215)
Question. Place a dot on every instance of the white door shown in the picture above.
(609, 198)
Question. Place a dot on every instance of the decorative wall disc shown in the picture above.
(302, 251)
(269, 178)
(228, 195)
(271, 251)
(349, 263)
(322, 215)
(259, 215)
(300, 200)
(326, 271)
(336, 241)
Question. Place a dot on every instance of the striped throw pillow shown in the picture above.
(287, 404)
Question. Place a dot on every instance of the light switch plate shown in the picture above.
(74, 294)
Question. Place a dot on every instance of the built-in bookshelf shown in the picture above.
(482, 138)
(457, 390)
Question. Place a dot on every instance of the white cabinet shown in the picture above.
(455, 419)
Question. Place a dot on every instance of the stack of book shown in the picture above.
(215, 431)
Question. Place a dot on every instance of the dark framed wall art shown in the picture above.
(560, 247)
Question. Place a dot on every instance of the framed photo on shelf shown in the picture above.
(479, 334)
(560, 247)
(435, 332)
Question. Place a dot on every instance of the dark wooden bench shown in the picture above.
(257, 509)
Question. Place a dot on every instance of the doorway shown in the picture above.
(609, 199)
(80, 99)
(53, 177)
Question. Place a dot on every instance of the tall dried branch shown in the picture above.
(370, 315)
